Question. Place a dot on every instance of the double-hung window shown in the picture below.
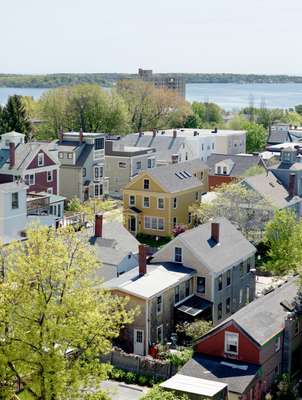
(40, 159)
(159, 304)
(49, 176)
(160, 203)
(132, 200)
(15, 200)
(178, 254)
(146, 202)
(231, 343)
(146, 184)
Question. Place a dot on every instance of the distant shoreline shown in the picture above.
(51, 81)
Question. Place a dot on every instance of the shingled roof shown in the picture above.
(241, 163)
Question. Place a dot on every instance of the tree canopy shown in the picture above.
(54, 321)
(14, 116)
(158, 393)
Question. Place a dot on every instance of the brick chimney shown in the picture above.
(98, 226)
(215, 231)
(292, 185)
(174, 158)
(81, 135)
(174, 134)
(12, 155)
(142, 263)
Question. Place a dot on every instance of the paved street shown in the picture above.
(122, 391)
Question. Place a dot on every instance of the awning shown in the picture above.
(194, 306)
(135, 209)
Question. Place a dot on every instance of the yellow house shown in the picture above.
(158, 199)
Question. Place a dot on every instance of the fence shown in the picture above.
(147, 366)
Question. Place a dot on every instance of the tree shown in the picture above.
(243, 207)
(283, 236)
(90, 207)
(254, 170)
(149, 107)
(54, 322)
(194, 330)
(158, 393)
(256, 138)
(298, 109)
(14, 116)
(207, 114)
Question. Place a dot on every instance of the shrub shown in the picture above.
(131, 377)
(194, 330)
(181, 357)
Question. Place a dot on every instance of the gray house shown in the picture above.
(223, 260)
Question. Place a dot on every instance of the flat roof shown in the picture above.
(190, 384)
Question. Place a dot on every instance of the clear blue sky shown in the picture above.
(241, 36)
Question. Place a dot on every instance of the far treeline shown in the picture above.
(132, 106)
(109, 79)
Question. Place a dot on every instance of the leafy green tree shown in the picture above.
(283, 237)
(158, 393)
(298, 109)
(207, 114)
(256, 138)
(243, 207)
(54, 321)
(238, 122)
(254, 170)
(149, 107)
(14, 116)
(194, 330)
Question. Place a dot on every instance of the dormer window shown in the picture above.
(146, 184)
(40, 160)
(231, 343)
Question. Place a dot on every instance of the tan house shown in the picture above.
(153, 290)
(157, 200)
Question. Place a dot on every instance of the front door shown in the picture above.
(138, 344)
(132, 224)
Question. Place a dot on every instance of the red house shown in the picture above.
(34, 163)
(254, 346)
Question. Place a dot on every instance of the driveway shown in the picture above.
(122, 391)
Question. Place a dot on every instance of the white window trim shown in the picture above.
(130, 204)
(177, 247)
(28, 181)
(148, 197)
(234, 334)
(41, 157)
(160, 208)
(146, 179)
(157, 218)
(51, 176)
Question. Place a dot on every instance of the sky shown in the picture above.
(238, 36)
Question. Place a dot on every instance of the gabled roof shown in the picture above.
(159, 277)
(264, 318)
(237, 375)
(231, 249)
(277, 137)
(241, 163)
(272, 190)
(178, 177)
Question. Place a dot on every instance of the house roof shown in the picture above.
(24, 152)
(238, 376)
(272, 190)
(189, 384)
(165, 146)
(12, 187)
(172, 177)
(277, 137)
(231, 249)
(240, 163)
(115, 244)
(158, 278)
(263, 318)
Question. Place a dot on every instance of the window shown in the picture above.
(218, 171)
(132, 200)
(248, 265)
(49, 176)
(146, 184)
(176, 294)
(160, 203)
(146, 202)
(59, 210)
(151, 162)
(50, 190)
(61, 154)
(240, 296)
(220, 282)
(219, 311)
(30, 179)
(147, 223)
(187, 288)
(159, 334)
(51, 210)
(174, 202)
(241, 269)
(99, 144)
(96, 173)
(98, 190)
(228, 277)
(174, 222)
(15, 200)
(231, 342)
(40, 159)
(138, 165)
(122, 164)
(190, 218)
(159, 304)
(70, 156)
(160, 224)
(277, 344)
(224, 170)
(178, 254)
(228, 305)
(139, 336)
(201, 284)
(84, 172)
